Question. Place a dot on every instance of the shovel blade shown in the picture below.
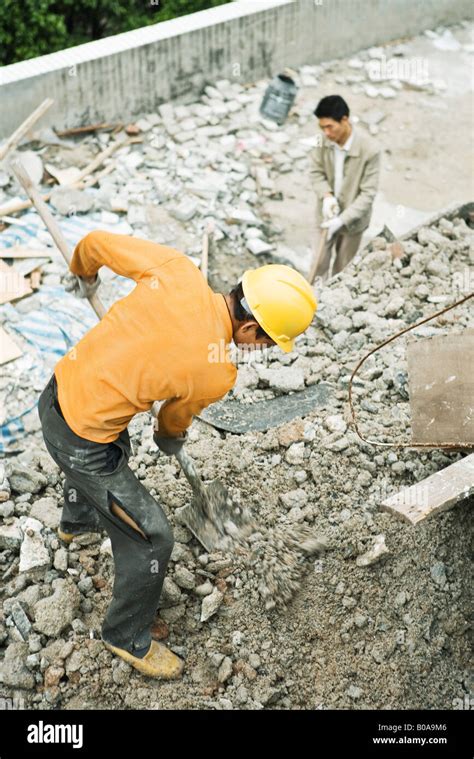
(216, 521)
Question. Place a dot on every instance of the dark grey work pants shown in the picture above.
(140, 564)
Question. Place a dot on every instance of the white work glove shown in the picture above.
(332, 226)
(83, 287)
(330, 207)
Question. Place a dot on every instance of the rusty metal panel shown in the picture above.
(441, 388)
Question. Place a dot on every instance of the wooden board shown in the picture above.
(437, 493)
(21, 251)
(9, 350)
(441, 388)
(13, 284)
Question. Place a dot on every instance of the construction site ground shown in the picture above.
(380, 619)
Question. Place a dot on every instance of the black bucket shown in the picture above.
(278, 99)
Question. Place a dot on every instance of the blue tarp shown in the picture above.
(61, 318)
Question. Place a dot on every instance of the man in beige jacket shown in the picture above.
(344, 173)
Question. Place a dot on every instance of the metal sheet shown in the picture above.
(235, 416)
(441, 388)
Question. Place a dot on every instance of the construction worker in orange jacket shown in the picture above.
(154, 344)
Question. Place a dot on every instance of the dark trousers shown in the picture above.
(97, 474)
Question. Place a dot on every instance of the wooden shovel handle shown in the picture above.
(317, 257)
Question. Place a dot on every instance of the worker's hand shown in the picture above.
(83, 287)
(332, 226)
(330, 207)
(170, 445)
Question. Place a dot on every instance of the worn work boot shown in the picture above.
(68, 537)
(159, 662)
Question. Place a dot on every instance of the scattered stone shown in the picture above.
(205, 589)
(335, 423)
(33, 552)
(4, 484)
(438, 574)
(26, 480)
(14, 669)
(354, 692)
(170, 594)
(61, 559)
(225, 670)
(56, 612)
(47, 512)
(10, 535)
(210, 604)
(374, 554)
(258, 246)
(285, 379)
(184, 578)
(69, 201)
(22, 623)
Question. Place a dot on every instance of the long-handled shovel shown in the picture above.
(317, 256)
(212, 516)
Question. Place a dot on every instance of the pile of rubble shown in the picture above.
(377, 621)
(378, 617)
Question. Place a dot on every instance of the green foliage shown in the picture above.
(36, 27)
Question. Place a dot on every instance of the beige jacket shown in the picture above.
(359, 185)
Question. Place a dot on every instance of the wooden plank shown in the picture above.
(21, 251)
(13, 284)
(439, 492)
(441, 388)
(9, 350)
(25, 127)
(28, 265)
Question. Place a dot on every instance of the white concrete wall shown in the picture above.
(115, 78)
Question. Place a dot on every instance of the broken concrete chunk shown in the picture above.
(4, 484)
(257, 246)
(211, 604)
(374, 554)
(26, 480)
(33, 552)
(56, 612)
(69, 201)
(14, 669)
(185, 211)
(10, 535)
(286, 378)
(22, 623)
(46, 510)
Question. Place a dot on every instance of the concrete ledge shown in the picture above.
(134, 72)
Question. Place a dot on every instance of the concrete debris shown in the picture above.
(25, 480)
(309, 484)
(34, 553)
(15, 672)
(69, 202)
(47, 512)
(56, 612)
(374, 554)
(4, 484)
(20, 619)
(10, 535)
(211, 604)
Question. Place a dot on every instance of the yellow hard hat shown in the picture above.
(281, 300)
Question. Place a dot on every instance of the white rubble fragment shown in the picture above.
(210, 604)
(374, 554)
(257, 246)
(33, 552)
